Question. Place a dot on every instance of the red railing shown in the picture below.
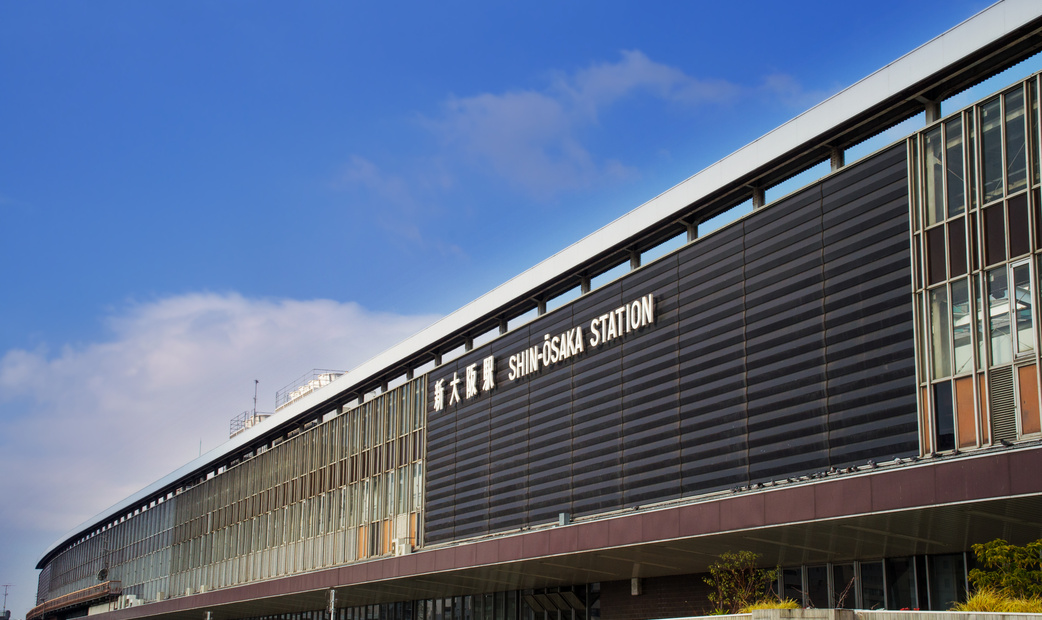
(79, 597)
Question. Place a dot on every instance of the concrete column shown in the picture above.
(933, 111)
(758, 196)
(836, 158)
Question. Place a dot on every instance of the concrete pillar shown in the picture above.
(836, 158)
(933, 111)
(758, 196)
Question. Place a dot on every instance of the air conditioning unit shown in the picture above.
(401, 546)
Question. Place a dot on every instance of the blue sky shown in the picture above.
(194, 195)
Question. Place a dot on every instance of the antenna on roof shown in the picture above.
(255, 384)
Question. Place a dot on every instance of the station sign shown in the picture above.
(601, 331)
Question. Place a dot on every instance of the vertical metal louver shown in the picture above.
(1003, 404)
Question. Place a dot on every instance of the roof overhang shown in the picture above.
(934, 506)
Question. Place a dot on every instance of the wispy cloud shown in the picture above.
(393, 201)
(788, 91)
(86, 425)
(540, 140)
(534, 138)
(602, 84)
(527, 138)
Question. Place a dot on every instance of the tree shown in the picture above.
(737, 582)
(1012, 571)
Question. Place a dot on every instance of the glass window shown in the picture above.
(974, 244)
(913, 156)
(817, 591)
(934, 185)
(936, 254)
(1033, 128)
(962, 327)
(944, 419)
(991, 150)
(916, 262)
(1022, 308)
(1019, 228)
(998, 317)
(1016, 142)
(956, 178)
(872, 586)
(994, 234)
(957, 247)
(981, 353)
(1036, 200)
(947, 580)
(939, 332)
(844, 585)
(971, 161)
(791, 584)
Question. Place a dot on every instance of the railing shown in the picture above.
(245, 420)
(79, 597)
(305, 385)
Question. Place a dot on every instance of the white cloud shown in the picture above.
(392, 202)
(789, 92)
(605, 83)
(88, 425)
(525, 137)
(540, 140)
(532, 138)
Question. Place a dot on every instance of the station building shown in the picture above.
(844, 380)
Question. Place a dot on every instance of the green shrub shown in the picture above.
(1009, 579)
(737, 582)
(1009, 570)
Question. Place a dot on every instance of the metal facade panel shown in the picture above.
(785, 353)
(868, 324)
(781, 346)
(711, 363)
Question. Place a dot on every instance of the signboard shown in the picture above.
(601, 331)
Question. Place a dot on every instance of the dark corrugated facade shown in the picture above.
(782, 345)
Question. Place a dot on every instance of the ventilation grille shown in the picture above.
(1003, 404)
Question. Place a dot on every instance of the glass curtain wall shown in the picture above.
(975, 222)
(920, 582)
(344, 490)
